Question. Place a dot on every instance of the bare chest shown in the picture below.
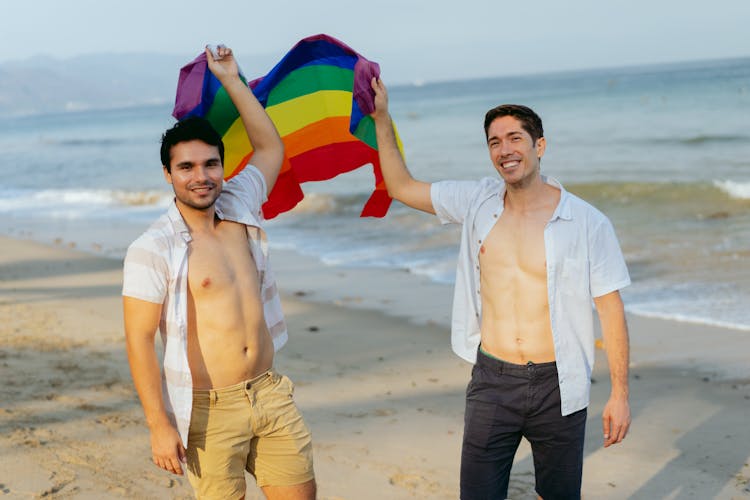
(221, 263)
(515, 244)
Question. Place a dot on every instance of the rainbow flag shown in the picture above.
(319, 97)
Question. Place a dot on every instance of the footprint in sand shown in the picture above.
(116, 421)
(414, 482)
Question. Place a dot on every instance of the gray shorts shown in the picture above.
(505, 402)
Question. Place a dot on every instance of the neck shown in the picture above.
(527, 194)
(197, 220)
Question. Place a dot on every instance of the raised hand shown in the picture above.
(381, 99)
(223, 66)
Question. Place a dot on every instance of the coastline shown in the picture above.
(382, 393)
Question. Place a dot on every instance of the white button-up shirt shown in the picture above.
(584, 260)
(156, 270)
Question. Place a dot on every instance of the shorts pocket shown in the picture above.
(286, 386)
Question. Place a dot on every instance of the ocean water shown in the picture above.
(663, 151)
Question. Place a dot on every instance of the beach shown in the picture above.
(375, 379)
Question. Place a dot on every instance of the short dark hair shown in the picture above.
(189, 129)
(530, 121)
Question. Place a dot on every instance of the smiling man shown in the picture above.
(532, 258)
(200, 274)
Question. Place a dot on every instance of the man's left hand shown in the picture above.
(223, 66)
(615, 420)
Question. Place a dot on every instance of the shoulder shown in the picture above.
(492, 183)
(454, 201)
(157, 239)
(468, 188)
(247, 178)
(243, 194)
(583, 210)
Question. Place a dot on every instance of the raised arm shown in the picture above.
(141, 322)
(401, 185)
(268, 148)
(616, 414)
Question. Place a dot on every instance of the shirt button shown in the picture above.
(494, 215)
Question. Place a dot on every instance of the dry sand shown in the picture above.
(382, 395)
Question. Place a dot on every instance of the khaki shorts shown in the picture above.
(253, 426)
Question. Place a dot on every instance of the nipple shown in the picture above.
(206, 282)
(481, 249)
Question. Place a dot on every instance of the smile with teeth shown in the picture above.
(510, 164)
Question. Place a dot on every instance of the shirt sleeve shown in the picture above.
(145, 274)
(608, 269)
(451, 199)
(247, 188)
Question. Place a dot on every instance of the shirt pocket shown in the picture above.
(574, 277)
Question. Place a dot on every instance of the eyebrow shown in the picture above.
(509, 134)
(209, 161)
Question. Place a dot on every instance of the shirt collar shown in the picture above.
(178, 223)
(563, 210)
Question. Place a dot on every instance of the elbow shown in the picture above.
(396, 191)
(402, 188)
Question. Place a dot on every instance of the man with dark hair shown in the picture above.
(200, 274)
(532, 258)
(193, 128)
(526, 117)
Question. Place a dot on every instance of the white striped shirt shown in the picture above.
(156, 270)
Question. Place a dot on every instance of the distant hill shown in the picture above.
(46, 85)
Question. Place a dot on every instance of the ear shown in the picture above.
(541, 145)
(167, 175)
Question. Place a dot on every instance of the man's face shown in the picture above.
(197, 174)
(512, 151)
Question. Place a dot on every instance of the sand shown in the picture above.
(383, 394)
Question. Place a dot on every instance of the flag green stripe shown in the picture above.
(307, 79)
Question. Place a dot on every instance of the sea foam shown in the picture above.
(735, 189)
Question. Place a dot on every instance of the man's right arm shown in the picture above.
(141, 322)
(401, 185)
(261, 132)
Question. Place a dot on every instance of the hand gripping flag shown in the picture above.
(319, 97)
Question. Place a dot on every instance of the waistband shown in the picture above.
(255, 383)
(499, 366)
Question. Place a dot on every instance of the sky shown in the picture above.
(412, 40)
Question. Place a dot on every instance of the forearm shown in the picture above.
(617, 344)
(268, 149)
(144, 368)
(259, 127)
(398, 180)
(392, 163)
(618, 357)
